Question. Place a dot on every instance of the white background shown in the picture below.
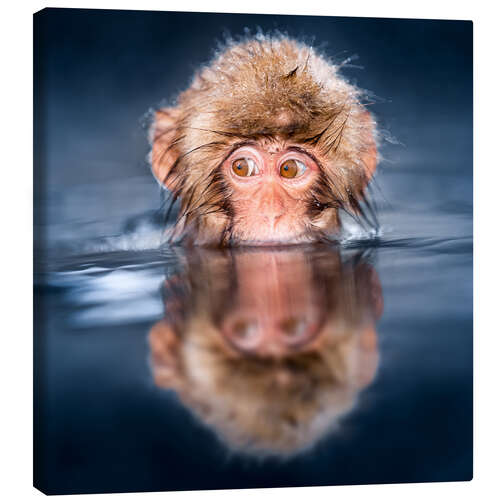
(16, 240)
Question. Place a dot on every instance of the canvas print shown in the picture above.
(253, 251)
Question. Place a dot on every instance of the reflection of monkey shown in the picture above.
(265, 147)
(268, 347)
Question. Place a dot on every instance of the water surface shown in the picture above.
(184, 369)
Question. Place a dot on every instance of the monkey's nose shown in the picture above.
(271, 201)
(273, 213)
(274, 219)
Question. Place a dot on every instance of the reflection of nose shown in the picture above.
(270, 345)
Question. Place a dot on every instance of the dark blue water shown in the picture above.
(162, 368)
(103, 424)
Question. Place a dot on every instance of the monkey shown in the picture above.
(266, 147)
(269, 360)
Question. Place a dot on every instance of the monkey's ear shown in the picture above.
(164, 346)
(370, 289)
(369, 155)
(164, 138)
(368, 358)
(374, 288)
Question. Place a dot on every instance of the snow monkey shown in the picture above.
(266, 358)
(266, 147)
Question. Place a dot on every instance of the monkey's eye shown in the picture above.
(245, 167)
(292, 168)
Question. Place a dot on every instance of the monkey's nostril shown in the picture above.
(273, 219)
(277, 219)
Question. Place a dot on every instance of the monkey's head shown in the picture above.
(267, 358)
(265, 147)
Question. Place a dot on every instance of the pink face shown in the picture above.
(276, 312)
(270, 187)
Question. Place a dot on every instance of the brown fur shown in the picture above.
(260, 403)
(271, 90)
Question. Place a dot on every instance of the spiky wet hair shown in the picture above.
(264, 89)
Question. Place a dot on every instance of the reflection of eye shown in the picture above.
(245, 167)
(292, 168)
(244, 331)
(294, 329)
